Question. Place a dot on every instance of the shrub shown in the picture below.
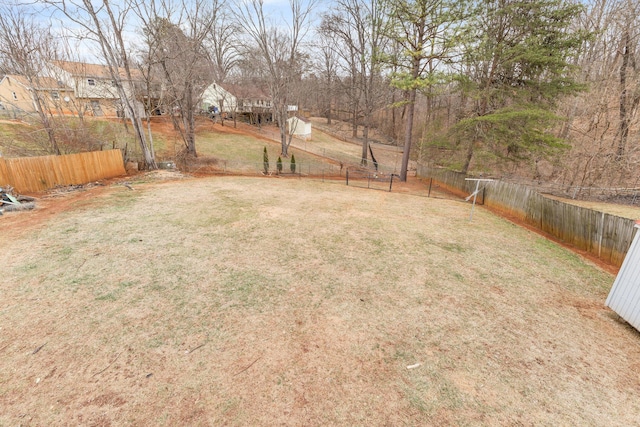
(265, 161)
(293, 163)
(279, 165)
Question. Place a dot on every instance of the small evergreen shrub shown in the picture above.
(293, 163)
(265, 161)
(279, 165)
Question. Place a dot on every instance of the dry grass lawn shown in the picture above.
(248, 301)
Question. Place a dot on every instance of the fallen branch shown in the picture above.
(80, 266)
(108, 366)
(195, 348)
(13, 207)
(250, 365)
(39, 348)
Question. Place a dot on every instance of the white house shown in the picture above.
(251, 98)
(215, 96)
(299, 127)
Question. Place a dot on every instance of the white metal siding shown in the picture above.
(624, 297)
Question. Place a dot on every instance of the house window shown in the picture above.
(91, 82)
(55, 95)
(15, 96)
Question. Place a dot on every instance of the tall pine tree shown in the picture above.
(517, 65)
(427, 34)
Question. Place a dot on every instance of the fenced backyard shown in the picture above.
(602, 235)
(252, 301)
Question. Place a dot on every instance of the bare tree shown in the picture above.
(221, 43)
(359, 26)
(327, 64)
(279, 50)
(629, 98)
(25, 48)
(602, 123)
(175, 34)
(105, 23)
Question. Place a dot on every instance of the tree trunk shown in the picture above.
(365, 145)
(354, 126)
(190, 122)
(394, 133)
(113, 56)
(469, 156)
(408, 130)
(282, 124)
(623, 130)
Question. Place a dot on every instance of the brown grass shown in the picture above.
(247, 301)
(624, 211)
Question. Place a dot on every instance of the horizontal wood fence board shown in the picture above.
(33, 174)
(605, 236)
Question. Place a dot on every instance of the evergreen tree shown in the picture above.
(293, 164)
(265, 161)
(427, 34)
(517, 65)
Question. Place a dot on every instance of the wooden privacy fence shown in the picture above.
(605, 236)
(33, 174)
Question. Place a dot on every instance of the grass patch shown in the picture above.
(235, 147)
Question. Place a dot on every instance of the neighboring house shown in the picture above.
(216, 99)
(252, 102)
(250, 98)
(95, 89)
(18, 95)
(299, 127)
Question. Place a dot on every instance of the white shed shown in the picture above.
(299, 127)
(624, 297)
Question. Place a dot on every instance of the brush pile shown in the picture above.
(11, 201)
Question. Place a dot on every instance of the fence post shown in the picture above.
(391, 183)
(347, 176)
(430, 182)
(601, 235)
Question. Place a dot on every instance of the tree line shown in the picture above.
(544, 88)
